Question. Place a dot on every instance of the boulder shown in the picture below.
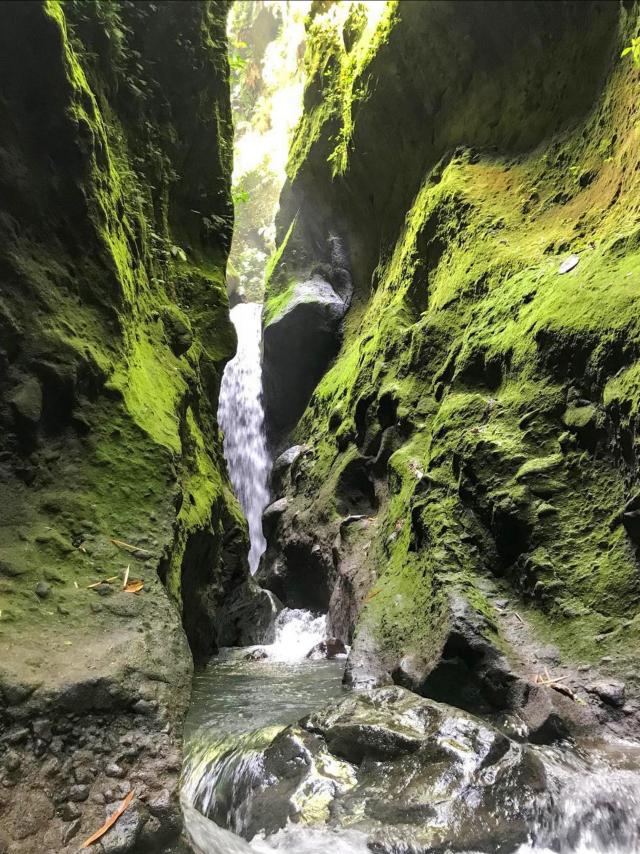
(248, 617)
(281, 469)
(299, 343)
(410, 773)
(328, 648)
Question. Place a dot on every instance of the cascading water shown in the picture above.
(241, 417)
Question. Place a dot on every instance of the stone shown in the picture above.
(611, 692)
(42, 729)
(70, 811)
(78, 793)
(71, 831)
(387, 758)
(272, 514)
(144, 707)
(124, 834)
(329, 648)
(26, 401)
(43, 590)
(160, 804)
(255, 655)
(298, 345)
(114, 770)
(12, 760)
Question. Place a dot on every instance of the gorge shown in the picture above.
(362, 453)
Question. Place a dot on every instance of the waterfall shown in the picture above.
(241, 417)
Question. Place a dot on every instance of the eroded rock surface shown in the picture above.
(410, 773)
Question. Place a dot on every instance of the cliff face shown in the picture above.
(115, 224)
(471, 454)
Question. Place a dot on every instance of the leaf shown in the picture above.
(568, 264)
(626, 51)
(109, 822)
(134, 587)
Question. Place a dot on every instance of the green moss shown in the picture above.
(126, 338)
(489, 351)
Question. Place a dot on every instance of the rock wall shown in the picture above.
(465, 503)
(115, 224)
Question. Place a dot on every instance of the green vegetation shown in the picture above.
(119, 315)
(514, 385)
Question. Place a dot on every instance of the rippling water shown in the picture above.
(592, 805)
(241, 417)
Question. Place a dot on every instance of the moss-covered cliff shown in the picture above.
(475, 440)
(115, 224)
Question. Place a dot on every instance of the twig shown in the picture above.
(126, 576)
(122, 545)
(519, 617)
(102, 581)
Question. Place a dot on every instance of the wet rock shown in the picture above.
(272, 514)
(124, 834)
(328, 648)
(298, 345)
(397, 764)
(610, 692)
(255, 655)
(248, 617)
(280, 478)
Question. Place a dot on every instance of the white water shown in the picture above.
(241, 417)
(297, 632)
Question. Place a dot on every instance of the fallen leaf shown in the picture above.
(134, 587)
(109, 822)
(568, 264)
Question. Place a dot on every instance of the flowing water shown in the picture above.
(592, 802)
(592, 805)
(241, 417)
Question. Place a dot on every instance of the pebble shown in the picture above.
(114, 770)
(78, 793)
(70, 812)
(83, 775)
(43, 590)
(12, 761)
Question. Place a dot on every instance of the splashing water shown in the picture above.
(297, 632)
(241, 417)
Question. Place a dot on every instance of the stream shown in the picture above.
(589, 802)
(592, 803)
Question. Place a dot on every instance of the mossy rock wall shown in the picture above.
(463, 153)
(115, 224)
